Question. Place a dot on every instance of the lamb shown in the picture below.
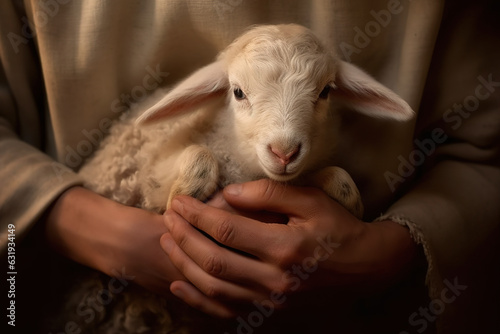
(266, 107)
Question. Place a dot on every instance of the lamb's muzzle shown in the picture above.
(285, 156)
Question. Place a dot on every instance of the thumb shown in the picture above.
(269, 195)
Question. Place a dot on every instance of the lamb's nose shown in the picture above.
(285, 156)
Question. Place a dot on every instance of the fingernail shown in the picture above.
(167, 218)
(233, 189)
(177, 205)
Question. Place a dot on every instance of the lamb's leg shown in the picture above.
(198, 174)
(338, 184)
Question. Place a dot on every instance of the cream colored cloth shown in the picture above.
(70, 67)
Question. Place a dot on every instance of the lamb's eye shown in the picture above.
(238, 94)
(324, 92)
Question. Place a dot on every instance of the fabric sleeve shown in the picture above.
(29, 179)
(453, 206)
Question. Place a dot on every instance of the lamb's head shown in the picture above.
(280, 79)
(279, 82)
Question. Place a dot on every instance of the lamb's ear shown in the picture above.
(204, 84)
(358, 90)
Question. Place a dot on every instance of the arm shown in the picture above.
(30, 180)
(82, 225)
(452, 209)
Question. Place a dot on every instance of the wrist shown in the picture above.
(85, 227)
(394, 252)
(111, 238)
(68, 226)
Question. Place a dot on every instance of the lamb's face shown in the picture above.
(279, 94)
(279, 80)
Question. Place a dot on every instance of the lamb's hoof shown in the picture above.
(338, 184)
(198, 175)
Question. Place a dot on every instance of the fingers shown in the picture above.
(235, 231)
(193, 297)
(273, 196)
(209, 285)
(214, 260)
(218, 201)
(196, 299)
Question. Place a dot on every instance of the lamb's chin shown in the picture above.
(282, 176)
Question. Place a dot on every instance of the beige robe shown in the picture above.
(68, 68)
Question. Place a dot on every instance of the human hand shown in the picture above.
(112, 238)
(321, 247)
